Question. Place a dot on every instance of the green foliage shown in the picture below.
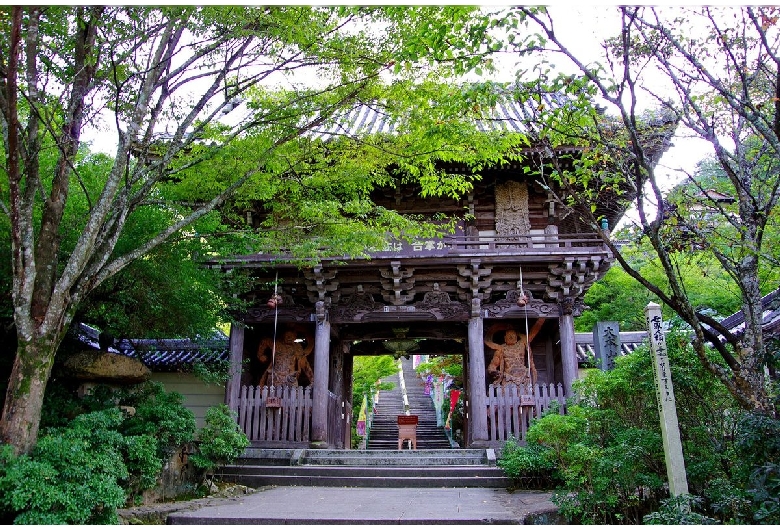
(143, 463)
(91, 456)
(72, 477)
(451, 365)
(160, 414)
(679, 510)
(214, 372)
(607, 455)
(616, 297)
(619, 297)
(220, 441)
(528, 465)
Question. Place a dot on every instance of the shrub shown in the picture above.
(527, 466)
(72, 476)
(608, 454)
(160, 414)
(91, 456)
(680, 510)
(221, 440)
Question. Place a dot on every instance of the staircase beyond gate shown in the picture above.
(384, 427)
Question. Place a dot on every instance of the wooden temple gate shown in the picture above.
(443, 295)
(520, 252)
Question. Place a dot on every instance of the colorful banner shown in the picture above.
(361, 423)
(454, 395)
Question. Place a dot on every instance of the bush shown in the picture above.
(91, 456)
(221, 440)
(72, 476)
(679, 510)
(160, 414)
(528, 466)
(608, 455)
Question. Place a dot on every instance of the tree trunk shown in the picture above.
(21, 416)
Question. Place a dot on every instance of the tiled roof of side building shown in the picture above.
(770, 317)
(163, 355)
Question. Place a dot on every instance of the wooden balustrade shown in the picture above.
(541, 241)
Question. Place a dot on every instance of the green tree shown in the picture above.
(715, 72)
(367, 372)
(166, 82)
(616, 297)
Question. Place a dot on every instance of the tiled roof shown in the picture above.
(771, 316)
(163, 355)
(508, 115)
(629, 341)
(175, 355)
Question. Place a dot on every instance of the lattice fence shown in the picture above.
(510, 408)
(275, 414)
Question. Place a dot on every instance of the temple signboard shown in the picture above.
(421, 247)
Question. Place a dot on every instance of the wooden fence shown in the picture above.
(281, 415)
(510, 408)
(339, 417)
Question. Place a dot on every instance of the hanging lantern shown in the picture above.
(522, 299)
(275, 300)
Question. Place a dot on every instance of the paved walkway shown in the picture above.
(328, 505)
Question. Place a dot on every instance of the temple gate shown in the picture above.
(516, 266)
(515, 270)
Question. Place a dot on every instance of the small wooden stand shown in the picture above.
(407, 430)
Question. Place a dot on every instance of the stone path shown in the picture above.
(329, 505)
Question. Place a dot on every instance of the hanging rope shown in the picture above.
(527, 338)
(276, 319)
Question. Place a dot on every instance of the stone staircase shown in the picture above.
(384, 429)
(424, 468)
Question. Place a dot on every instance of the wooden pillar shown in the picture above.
(319, 419)
(347, 363)
(477, 394)
(568, 347)
(233, 386)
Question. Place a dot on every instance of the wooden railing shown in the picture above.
(459, 243)
(510, 408)
(278, 415)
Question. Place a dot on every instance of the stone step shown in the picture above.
(296, 457)
(384, 427)
(422, 481)
(364, 471)
(366, 468)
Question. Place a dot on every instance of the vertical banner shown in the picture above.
(362, 417)
(670, 429)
